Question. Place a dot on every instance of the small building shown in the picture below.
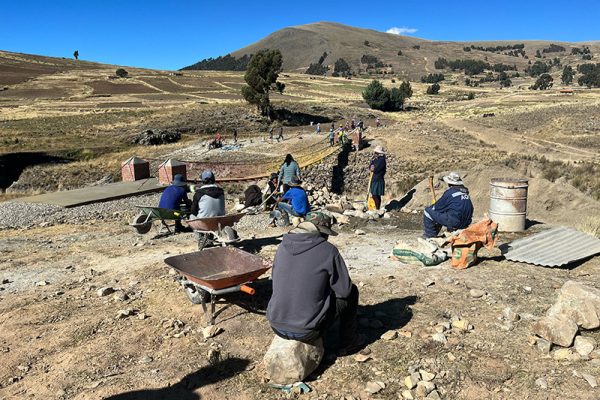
(134, 169)
(168, 169)
(567, 91)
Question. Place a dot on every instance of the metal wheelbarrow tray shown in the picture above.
(217, 271)
(212, 229)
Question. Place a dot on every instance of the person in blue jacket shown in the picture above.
(294, 201)
(174, 197)
(454, 209)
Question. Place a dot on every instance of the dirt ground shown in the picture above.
(63, 341)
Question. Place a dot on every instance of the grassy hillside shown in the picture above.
(304, 44)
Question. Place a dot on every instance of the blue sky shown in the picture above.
(170, 34)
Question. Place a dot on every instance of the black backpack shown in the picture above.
(252, 196)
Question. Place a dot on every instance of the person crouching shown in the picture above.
(295, 201)
(454, 209)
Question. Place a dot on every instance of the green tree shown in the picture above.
(567, 75)
(433, 89)
(121, 73)
(341, 67)
(380, 98)
(377, 96)
(261, 77)
(406, 89)
(543, 82)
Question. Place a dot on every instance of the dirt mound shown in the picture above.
(548, 202)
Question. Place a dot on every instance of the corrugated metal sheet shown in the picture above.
(553, 248)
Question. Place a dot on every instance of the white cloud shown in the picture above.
(401, 31)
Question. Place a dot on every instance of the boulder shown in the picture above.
(584, 345)
(579, 302)
(335, 208)
(558, 329)
(290, 361)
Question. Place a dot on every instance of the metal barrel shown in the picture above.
(508, 203)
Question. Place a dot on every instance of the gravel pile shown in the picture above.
(253, 223)
(25, 215)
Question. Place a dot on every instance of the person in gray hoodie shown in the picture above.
(312, 287)
(209, 199)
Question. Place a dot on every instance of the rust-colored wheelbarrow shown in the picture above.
(212, 230)
(206, 275)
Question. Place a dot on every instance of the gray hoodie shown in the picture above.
(306, 271)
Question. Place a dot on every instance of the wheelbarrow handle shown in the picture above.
(247, 289)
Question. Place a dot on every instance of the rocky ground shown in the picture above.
(89, 310)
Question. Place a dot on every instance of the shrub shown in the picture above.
(471, 96)
(432, 78)
(341, 67)
(316, 69)
(433, 89)
(416, 47)
(380, 98)
(567, 75)
(538, 68)
(121, 73)
(399, 52)
(543, 82)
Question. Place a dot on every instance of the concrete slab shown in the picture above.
(96, 194)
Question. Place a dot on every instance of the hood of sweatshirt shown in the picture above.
(298, 243)
(211, 190)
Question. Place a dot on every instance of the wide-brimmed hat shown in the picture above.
(379, 150)
(315, 222)
(207, 175)
(178, 180)
(453, 178)
(295, 181)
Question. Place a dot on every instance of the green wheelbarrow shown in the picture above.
(142, 223)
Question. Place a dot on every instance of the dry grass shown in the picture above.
(591, 226)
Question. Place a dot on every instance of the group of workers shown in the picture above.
(208, 199)
(311, 284)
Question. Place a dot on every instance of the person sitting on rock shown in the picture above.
(294, 201)
(174, 197)
(312, 287)
(454, 209)
(209, 199)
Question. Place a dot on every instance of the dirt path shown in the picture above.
(519, 143)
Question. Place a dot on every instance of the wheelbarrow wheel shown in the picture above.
(195, 294)
(203, 241)
(140, 225)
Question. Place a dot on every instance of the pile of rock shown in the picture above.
(577, 307)
(151, 138)
(419, 384)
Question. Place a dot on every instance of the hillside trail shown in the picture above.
(517, 143)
